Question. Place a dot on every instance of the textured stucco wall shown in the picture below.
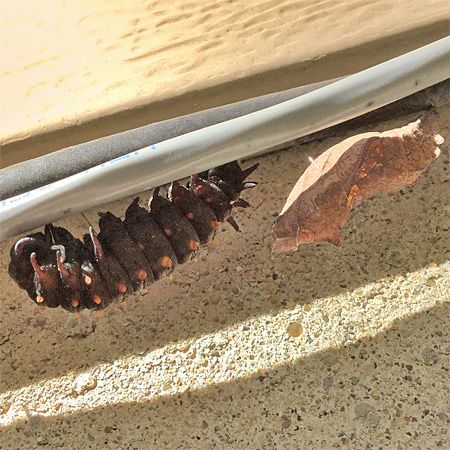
(327, 348)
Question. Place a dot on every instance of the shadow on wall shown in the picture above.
(238, 279)
(390, 389)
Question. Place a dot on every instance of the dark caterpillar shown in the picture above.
(126, 256)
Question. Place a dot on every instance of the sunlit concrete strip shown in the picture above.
(249, 348)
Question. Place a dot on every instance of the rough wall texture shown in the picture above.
(73, 65)
(327, 348)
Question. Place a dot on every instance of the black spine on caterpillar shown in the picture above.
(126, 256)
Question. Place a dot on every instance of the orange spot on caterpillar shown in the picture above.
(87, 280)
(215, 224)
(96, 299)
(74, 302)
(190, 215)
(167, 231)
(142, 274)
(165, 261)
(40, 299)
(193, 245)
(122, 288)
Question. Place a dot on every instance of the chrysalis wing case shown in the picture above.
(57, 269)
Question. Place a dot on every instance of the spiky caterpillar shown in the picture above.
(126, 256)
